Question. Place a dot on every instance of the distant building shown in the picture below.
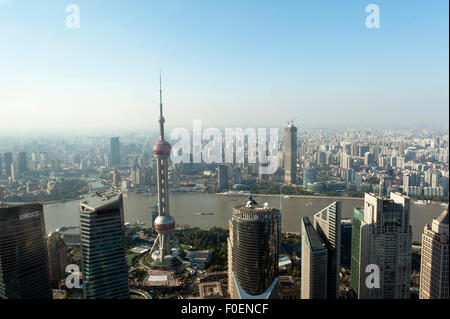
(382, 236)
(222, 177)
(22, 164)
(309, 176)
(57, 258)
(369, 158)
(253, 250)
(434, 266)
(70, 235)
(105, 271)
(237, 175)
(115, 151)
(23, 255)
(210, 290)
(116, 179)
(288, 289)
(8, 162)
(290, 154)
(136, 174)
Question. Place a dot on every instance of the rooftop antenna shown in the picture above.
(161, 117)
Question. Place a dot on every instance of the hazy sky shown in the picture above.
(226, 62)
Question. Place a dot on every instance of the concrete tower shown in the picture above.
(164, 223)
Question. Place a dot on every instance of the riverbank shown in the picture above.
(308, 196)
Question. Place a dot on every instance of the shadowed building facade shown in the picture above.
(314, 263)
(24, 268)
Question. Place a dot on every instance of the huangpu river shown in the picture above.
(183, 207)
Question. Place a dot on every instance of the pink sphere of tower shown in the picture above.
(164, 224)
(162, 148)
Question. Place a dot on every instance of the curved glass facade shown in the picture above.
(256, 240)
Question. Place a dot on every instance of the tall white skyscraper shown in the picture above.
(382, 238)
(327, 223)
(434, 261)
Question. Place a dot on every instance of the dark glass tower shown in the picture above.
(105, 271)
(255, 242)
(290, 154)
(8, 162)
(23, 255)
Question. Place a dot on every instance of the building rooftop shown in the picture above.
(314, 240)
(251, 206)
(443, 218)
(69, 230)
(101, 199)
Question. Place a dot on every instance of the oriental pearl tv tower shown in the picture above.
(164, 223)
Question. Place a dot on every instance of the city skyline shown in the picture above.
(305, 153)
(254, 60)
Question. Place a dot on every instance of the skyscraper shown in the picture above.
(382, 236)
(105, 271)
(8, 162)
(253, 250)
(314, 263)
(164, 223)
(327, 223)
(22, 165)
(23, 254)
(290, 154)
(115, 151)
(222, 177)
(434, 260)
(346, 242)
(309, 176)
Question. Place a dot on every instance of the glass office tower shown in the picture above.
(255, 236)
(23, 254)
(105, 271)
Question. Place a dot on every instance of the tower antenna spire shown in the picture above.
(161, 117)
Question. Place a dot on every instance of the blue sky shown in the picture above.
(228, 63)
